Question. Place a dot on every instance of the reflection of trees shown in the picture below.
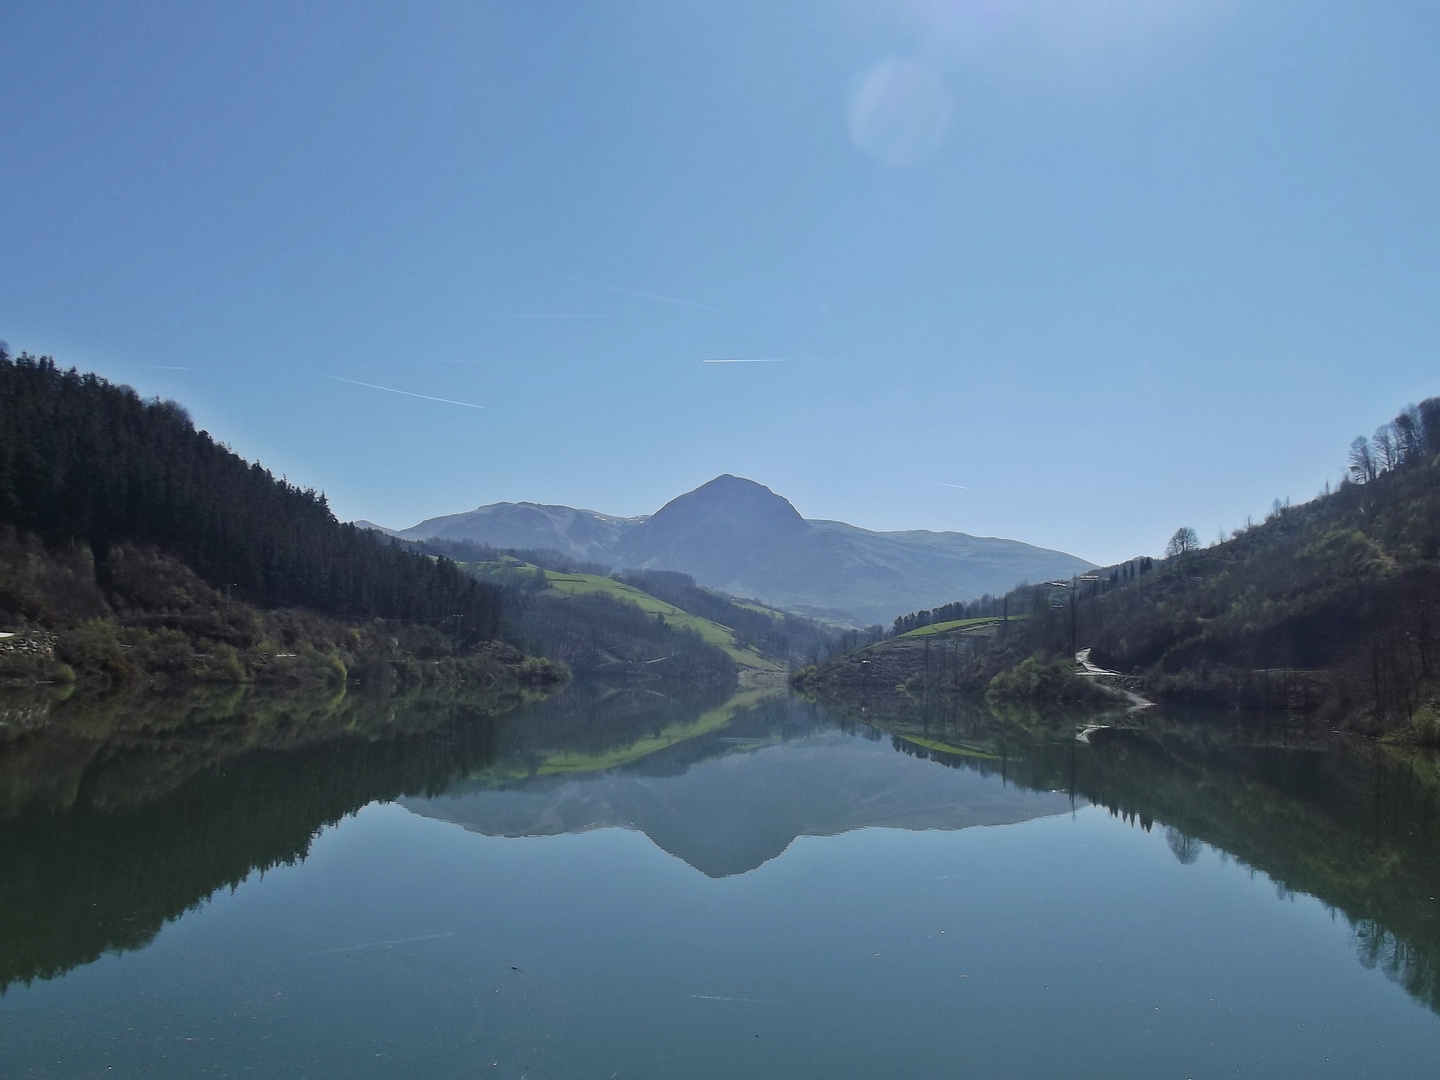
(156, 808)
(1185, 848)
(1353, 824)
(119, 814)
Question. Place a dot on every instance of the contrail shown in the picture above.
(377, 944)
(962, 487)
(640, 293)
(557, 317)
(755, 360)
(163, 367)
(392, 390)
(663, 299)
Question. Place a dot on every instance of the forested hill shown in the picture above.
(85, 461)
(1331, 606)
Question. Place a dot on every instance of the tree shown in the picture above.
(1362, 460)
(1387, 447)
(1183, 542)
(1409, 433)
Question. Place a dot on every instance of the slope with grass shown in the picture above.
(547, 602)
(612, 626)
(712, 633)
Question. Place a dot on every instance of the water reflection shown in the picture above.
(122, 815)
(1353, 823)
(725, 792)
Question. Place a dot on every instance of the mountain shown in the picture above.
(738, 536)
(579, 534)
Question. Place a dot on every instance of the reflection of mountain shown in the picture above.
(103, 839)
(734, 812)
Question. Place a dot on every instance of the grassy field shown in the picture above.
(711, 632)
(594, 584)
(957, 624)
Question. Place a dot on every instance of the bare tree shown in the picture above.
(1183, 542)
(1362, 461)
(1409, 433)
(1387, 447)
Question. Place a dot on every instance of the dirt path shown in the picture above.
(1094, 671)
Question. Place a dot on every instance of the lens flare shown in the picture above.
(899, 112)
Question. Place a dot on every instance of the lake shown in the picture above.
(622, 883)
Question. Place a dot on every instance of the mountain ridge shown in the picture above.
(741, 537)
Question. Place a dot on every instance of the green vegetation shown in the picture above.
(712, 633)
(641, 624)
(1330, 607)
(85, 462)
(1035, 680)
(151, 619)
(135, 548)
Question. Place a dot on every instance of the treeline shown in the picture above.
(1414, 433)
(989, 606)
(85, 461)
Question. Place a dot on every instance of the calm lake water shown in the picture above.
(667, 884)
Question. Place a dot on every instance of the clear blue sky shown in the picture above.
(1071, 271)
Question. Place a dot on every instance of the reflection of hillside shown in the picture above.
(1353, 824)
(125, 814)
(656, 723)
(731, 799)
(116, 817)
(119, 814)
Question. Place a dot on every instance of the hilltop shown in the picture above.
(740, 537)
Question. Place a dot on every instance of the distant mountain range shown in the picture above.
(740, 537)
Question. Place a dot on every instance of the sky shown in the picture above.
(1075, 272)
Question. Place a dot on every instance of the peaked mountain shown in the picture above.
(740, 537)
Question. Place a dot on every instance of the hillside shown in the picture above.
(738, 536)
(1332, 607)
(133, 545)
(642, 625)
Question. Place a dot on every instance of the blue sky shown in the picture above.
(1071, 271)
